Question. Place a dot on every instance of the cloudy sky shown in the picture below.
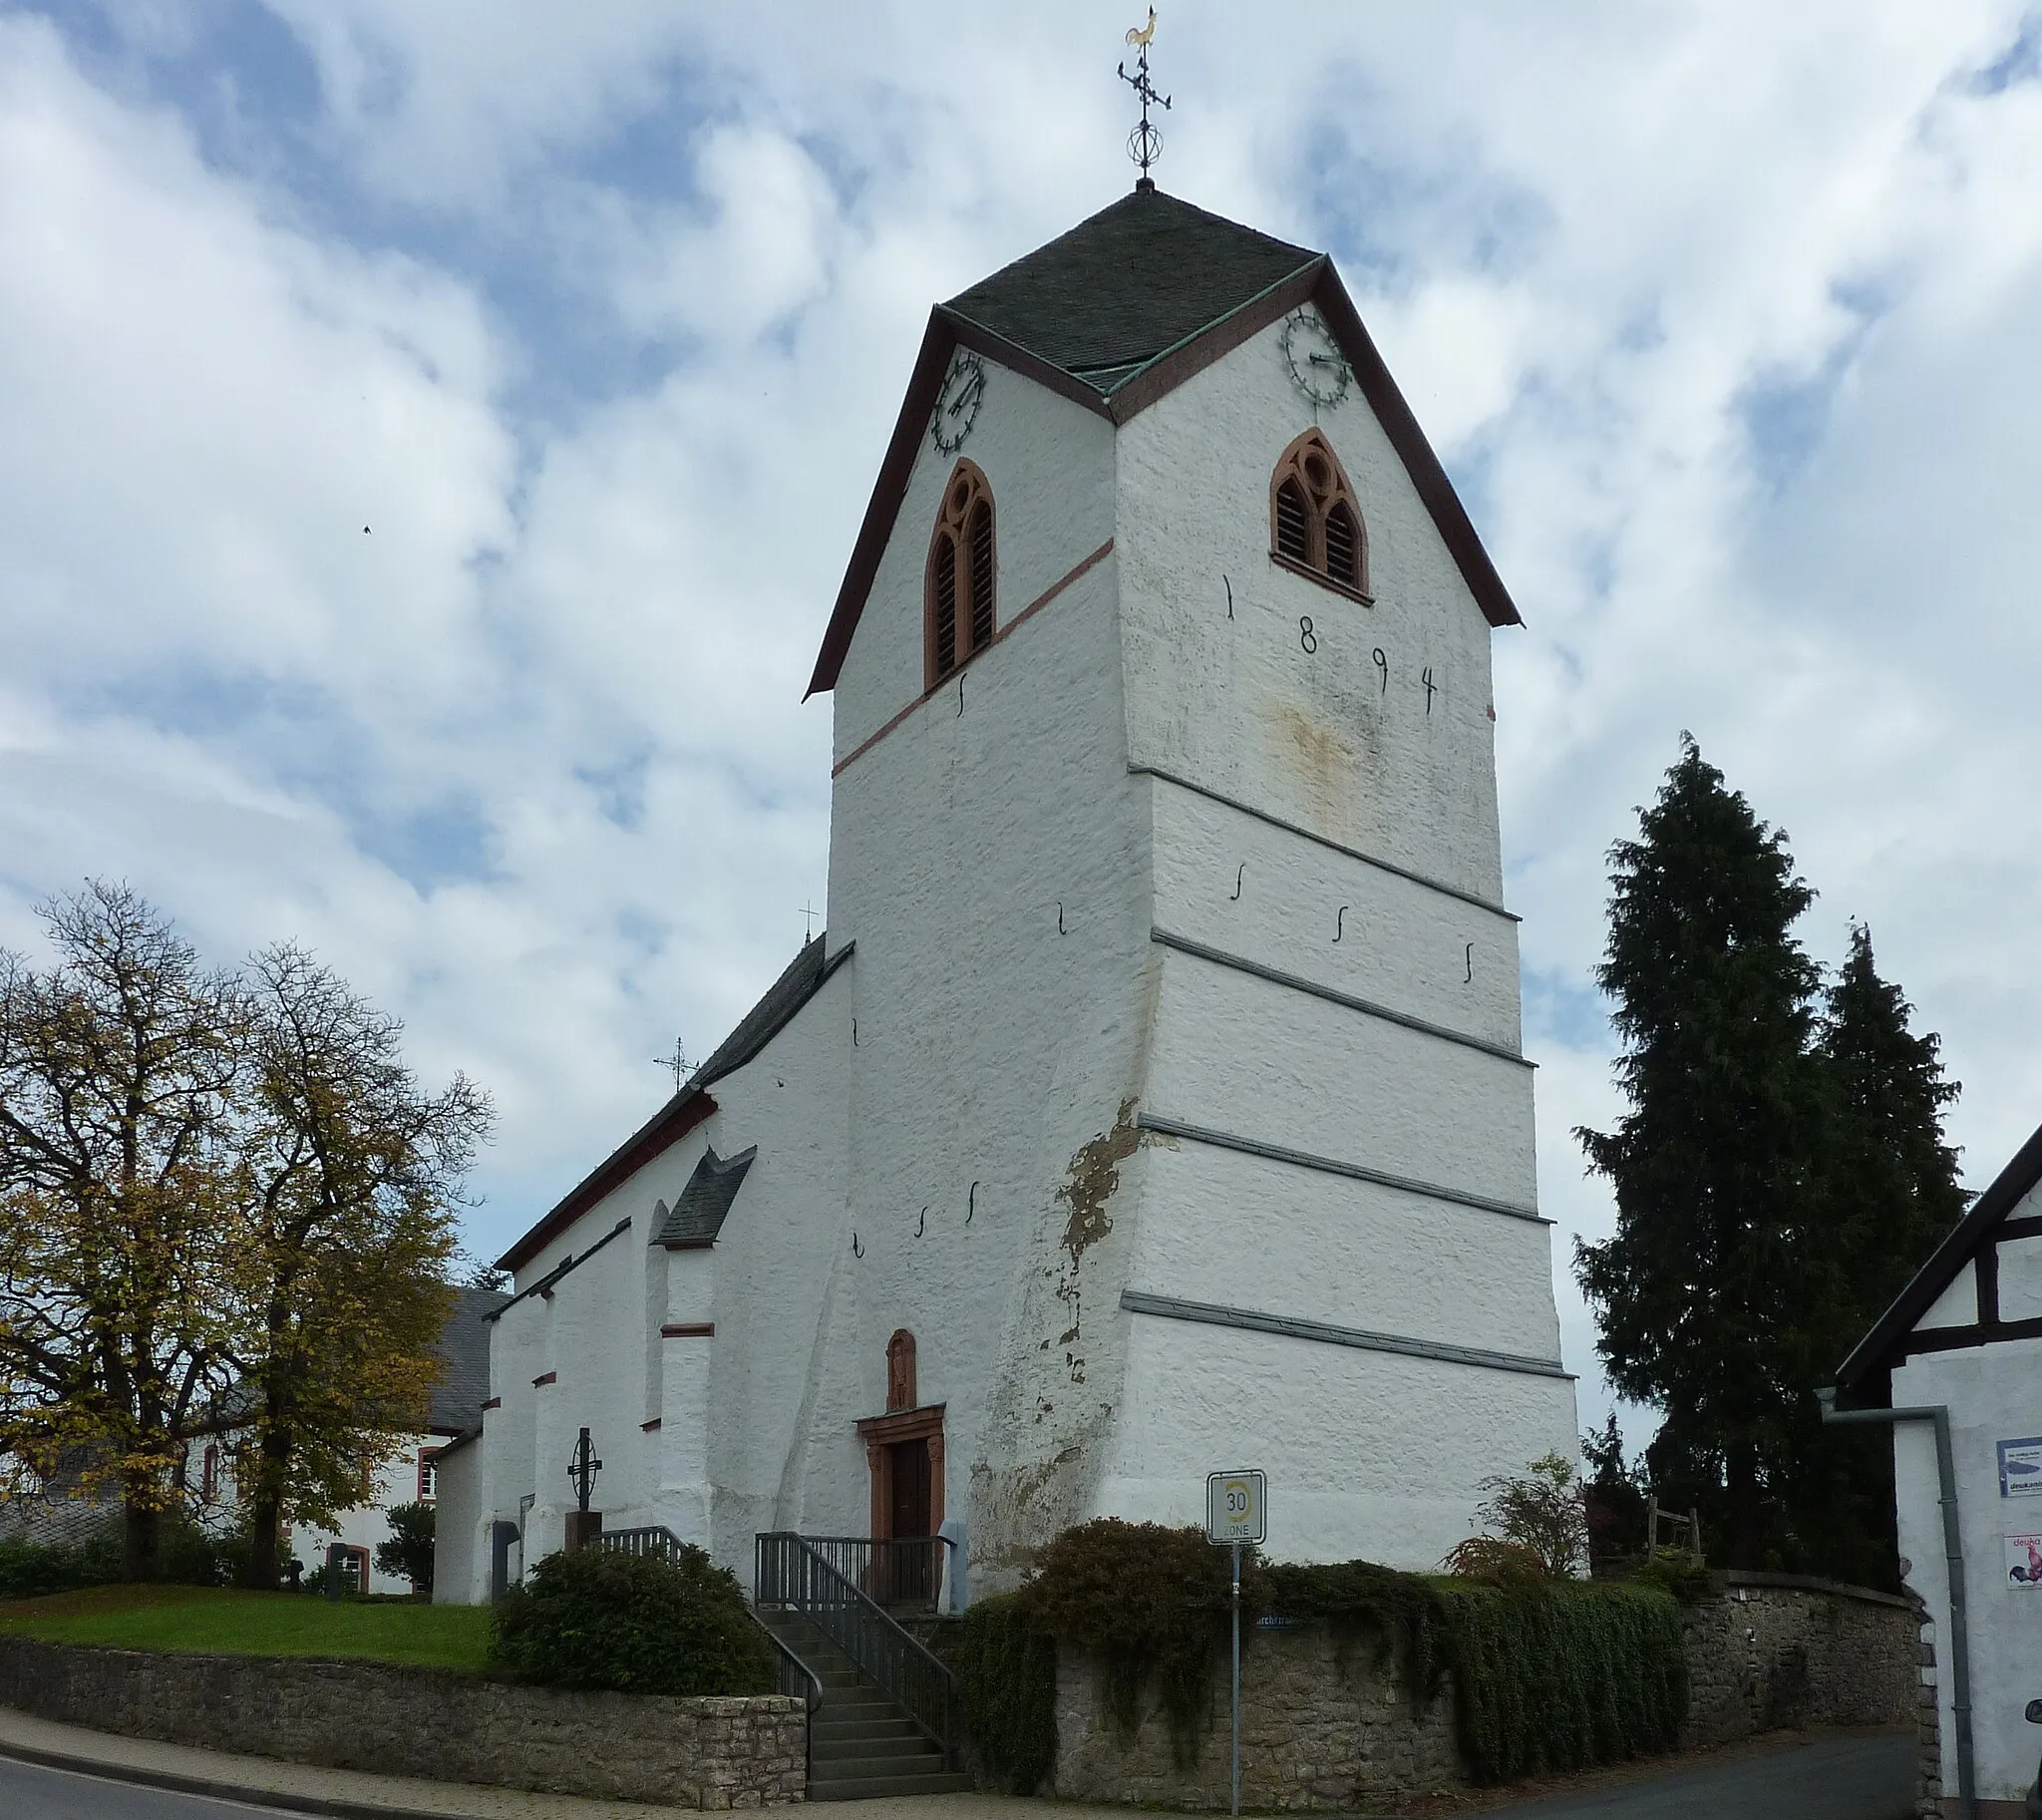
(398, 403)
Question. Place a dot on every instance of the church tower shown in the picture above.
(1187, 1124)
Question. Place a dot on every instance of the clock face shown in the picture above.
(1315, 360)
(957, 403)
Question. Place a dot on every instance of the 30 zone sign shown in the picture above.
(1236, 1508)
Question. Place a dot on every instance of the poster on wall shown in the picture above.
(2024, 1563)
(2020, 1469)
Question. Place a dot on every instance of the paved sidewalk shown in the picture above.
(1847, 1776)
(358, 1795)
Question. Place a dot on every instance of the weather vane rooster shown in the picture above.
(1145, 144)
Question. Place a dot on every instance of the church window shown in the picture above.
(1316, 526)
(962, 610)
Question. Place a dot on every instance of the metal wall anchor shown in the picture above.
(1237, 878)
(1339, 921)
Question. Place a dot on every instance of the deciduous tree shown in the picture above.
(118, 1069)
(351, 1184)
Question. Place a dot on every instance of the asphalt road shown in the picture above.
(1839, 1778)
(30, 1792)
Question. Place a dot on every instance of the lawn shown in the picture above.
(217, 1622)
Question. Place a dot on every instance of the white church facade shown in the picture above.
(1153, 1103)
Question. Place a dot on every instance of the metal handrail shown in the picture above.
(794, 1575)
(891, 1571)
(798, 1682)
(793, 1677)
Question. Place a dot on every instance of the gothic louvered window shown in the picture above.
(943, 573)
(1293, 522)
(1314, 523)
(963, 613)
(1343, 544)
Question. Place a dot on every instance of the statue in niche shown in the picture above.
(901, 1371)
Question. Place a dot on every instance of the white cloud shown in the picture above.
(1724, 312)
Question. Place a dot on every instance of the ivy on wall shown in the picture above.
(1547, 1675)
(1009, 1673)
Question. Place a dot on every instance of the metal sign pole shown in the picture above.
(1237, 1678)
(1236, 1512)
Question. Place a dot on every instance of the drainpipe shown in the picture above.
(1953, 1552)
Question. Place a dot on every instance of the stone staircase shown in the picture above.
(861, 1742)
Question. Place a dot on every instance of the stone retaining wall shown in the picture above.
(1776, 1650)
(1321, 1728)
(1324, 1728)
(711, 1754)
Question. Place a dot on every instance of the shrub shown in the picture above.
(186, 1555)
(408, 1555)
(1675, 1571)
(1148, 1601)
(1009, 1672)
(1497, 1562)
(29, 1568)
(1543, 1514)
(1547, 1673)
(639, 1624)
(1562, 1676)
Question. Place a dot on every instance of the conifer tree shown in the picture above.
(1892, 1179)
(1890, 1193)
(1701, 1291)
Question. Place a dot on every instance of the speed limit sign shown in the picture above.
(1236, 1508)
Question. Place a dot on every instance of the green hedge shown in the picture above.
(1563, 1677)
(1009, 1672)
(186, 1555)
(634, 1623)
(1556, 1675)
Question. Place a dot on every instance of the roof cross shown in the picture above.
(678, 1062)
(1145, 144)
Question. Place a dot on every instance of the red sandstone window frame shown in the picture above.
(428, 1475)
(964, 548)
(1310, 466)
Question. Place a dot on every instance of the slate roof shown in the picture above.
(1128, 284)
(1865, 1378)
(801, 982)
(699, 1214)
(1117, 314)
(771, 1014)
(464, 1352)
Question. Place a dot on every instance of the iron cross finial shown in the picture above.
(810, 912)
(1145, 144)
(678, 1062)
